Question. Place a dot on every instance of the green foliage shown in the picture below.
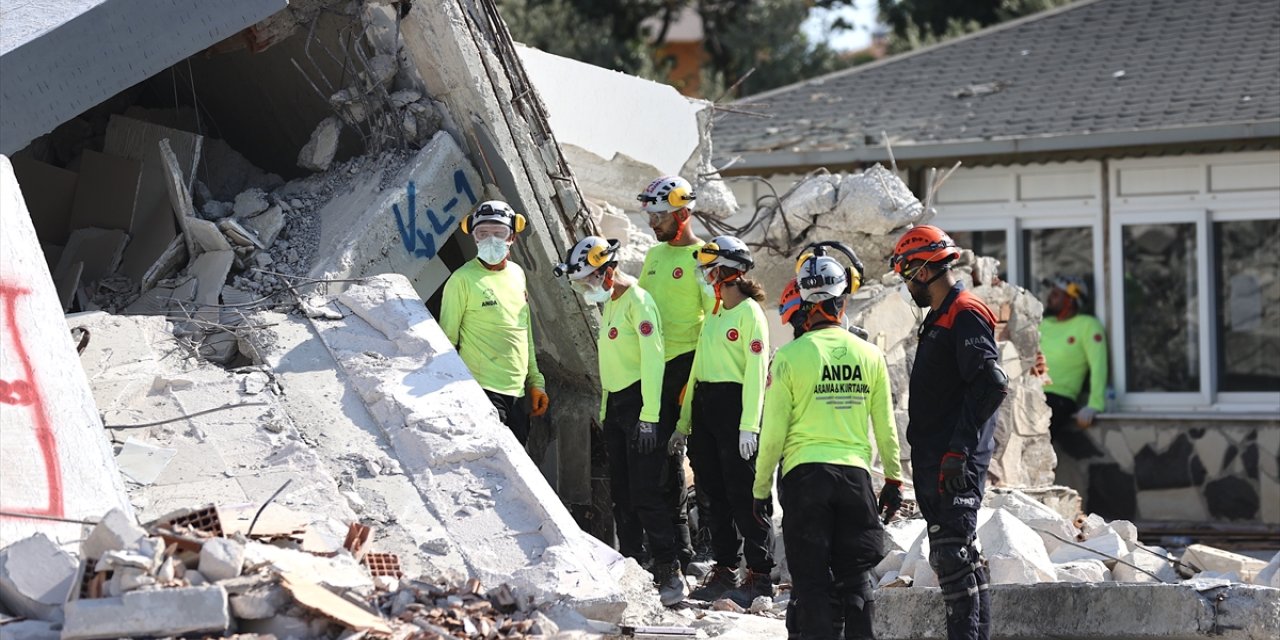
(918, 23)
(605, 33)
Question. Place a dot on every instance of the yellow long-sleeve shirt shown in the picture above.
(733, 347)
(670, 274)
(485, 314)
(823, 390)
(630, 346)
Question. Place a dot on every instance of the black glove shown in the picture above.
(951, 478)
(646, 438)
(762, 510)
(890, 499)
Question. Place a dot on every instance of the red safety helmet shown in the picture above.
(925, 242)
(790, 301)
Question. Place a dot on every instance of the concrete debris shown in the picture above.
(1269, 576)
(157, 612)
(241, 236)
(250, 203)
(221, 559)
(267, 225)
(1083, 571)
(1015, 553)
(318, 153)
(35, 578)
(1105, 547)
(114, 532)
(141, 462)
(1141, 563)
(1206, 558)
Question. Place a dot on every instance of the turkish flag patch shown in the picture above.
(757, 346)
(1071, 339)
(732, 335)
(646, 328)
(613, 333)
(1097, 337)
(677, 273)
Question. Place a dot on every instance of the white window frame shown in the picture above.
(1237, 400)
(1146, 400)
(1100, 284)
(1007, 224)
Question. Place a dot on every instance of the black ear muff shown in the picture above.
(466, 225)
(518, 222)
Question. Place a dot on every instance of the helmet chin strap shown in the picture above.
(820, 309)
(681, 225)
(720, 283)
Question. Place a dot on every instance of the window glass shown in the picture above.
(1247, 269)
(993, 244)
(1161, 314)
(1059, 252)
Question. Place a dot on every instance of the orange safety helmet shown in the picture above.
(790, 301)
(925, 242)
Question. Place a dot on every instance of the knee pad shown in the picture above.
(955, 565)
(857, 592)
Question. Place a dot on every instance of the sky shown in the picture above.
(862, 14)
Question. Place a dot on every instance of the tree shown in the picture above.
(916, 23)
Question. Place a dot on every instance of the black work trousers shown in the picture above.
(1067, 436)
(638, 482)
(675, 482)
(833, 538)
(726, 479)
(512, 413)
(953, 527)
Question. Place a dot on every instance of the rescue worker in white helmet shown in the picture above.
(670, 274)
(485, 314)
(630, 345)
(827, 394)
(720, 422)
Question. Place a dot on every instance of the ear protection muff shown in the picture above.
(600, 255)
(466, 225)
(518, 223)
(680, 197)
(853, 274)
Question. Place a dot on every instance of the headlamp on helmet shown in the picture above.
(493, 211)
(724, 251)
(590, 255)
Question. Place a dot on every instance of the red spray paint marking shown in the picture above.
(25, 392)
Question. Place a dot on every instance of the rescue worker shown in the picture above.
(670, 275)
(720, 422)
(1075, 349)
(630, 345)
(827, 393)
(956, 387)
(485, 314)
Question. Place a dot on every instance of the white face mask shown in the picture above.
(492, 250)
(597, 295)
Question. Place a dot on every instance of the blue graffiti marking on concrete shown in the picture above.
(423, 243)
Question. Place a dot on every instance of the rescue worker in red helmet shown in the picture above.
(957, 386)
(720, 421)
(484, 312)
(670, 274)
(630, 345)
(827, 394)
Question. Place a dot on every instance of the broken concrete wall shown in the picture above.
(59, 59)
(56, 460)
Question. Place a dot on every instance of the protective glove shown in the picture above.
(646, 437)
(538, 398)
(678, 444)
(951, 475)
(1085, 416)
(762, 510)
(890, 499)
(747, 443)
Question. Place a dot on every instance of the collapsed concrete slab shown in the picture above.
(35, 578)
(57, 463)
(505, 520)
(158, 612)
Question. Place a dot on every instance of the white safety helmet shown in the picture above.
(724, 251)
(591, 254)
(822, 278)
(493, 211)
(1075, 288)
(666, 194)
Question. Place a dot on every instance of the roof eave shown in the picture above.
(781, 160)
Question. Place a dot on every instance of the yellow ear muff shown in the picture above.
(708, 253)
(854, 281)
(1073, 290)
(519, 223)
(598, 256)
(678, 197)
(800, 262)
(466, 225)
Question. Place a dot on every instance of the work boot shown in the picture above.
(754, 585)
(669, 580)
(720, 580)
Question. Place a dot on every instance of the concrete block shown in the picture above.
(221, 558)
(1109, 544)
(892, 563)
(156, 612)
(239, 235)
(318, 153)
(99, 249)
(1269, 576)
(1034, 514)
(56, 461)
(1082, 571)
(260, 602)
(210, 271)
(250, 203)
(116, 531)
(1208, 558)
(901, 534)
(35, 578)
(1151, 560)
(1015, 553)
(267, 225)
(30, 630)
(106, 191)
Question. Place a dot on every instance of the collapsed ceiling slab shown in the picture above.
(58, 59)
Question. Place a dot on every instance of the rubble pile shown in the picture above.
(188, 573)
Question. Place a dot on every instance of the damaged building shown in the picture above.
(226, 394)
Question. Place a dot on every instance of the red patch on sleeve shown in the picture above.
(732, 335)
(1071, 339)
(613, 333)
(757, 346)
(1097, 337)
(677, 273)
(646, 328)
